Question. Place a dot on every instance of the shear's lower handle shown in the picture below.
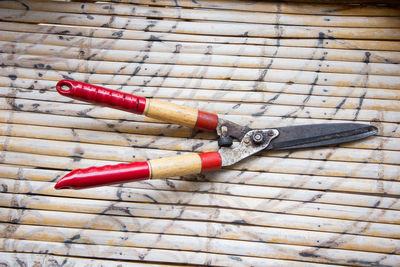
(152, 108)
(136, 171)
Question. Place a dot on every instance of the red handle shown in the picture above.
(155, 168)
(105, 175)
(101, 96)
(150, 107)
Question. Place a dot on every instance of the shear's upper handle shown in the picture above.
(152, 108)
(136, 171)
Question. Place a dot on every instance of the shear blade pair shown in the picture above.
(248, 141)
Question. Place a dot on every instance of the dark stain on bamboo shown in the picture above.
(71, 240)
(118, 34)
(12, 77)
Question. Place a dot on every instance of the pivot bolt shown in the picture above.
(258, 138)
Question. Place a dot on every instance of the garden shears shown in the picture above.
(248, 141)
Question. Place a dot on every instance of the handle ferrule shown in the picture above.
(206, 121)
(210, 161)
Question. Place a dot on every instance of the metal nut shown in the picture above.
(258, 138)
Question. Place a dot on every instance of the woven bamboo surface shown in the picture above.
(261, 64)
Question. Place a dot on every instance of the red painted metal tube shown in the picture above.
(210, 161)
(206, 121)
(105, 175)
(101, 96)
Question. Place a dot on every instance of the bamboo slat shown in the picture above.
(185, 243)
(314, 64)
(194, 228)
(207, 72)
(204, 28)
(141, 254)
(205, 14)
(198, 214)
(285, 8)
(322, 50)
(259, 64)
(204, 229)
(26, 79)
(71, 32)
(29, 259)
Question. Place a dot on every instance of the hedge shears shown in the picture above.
(247, 141)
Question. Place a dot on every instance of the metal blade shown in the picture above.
(312, 135)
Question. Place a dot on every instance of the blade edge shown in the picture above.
(296, 137)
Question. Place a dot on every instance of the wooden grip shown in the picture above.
(175, 166)
(181, 115)
(184, 165)
(169, 112)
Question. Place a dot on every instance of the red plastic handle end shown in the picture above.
(65, 87)
(105, 175)
(101, 96)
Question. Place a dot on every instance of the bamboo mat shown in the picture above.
(261, 64)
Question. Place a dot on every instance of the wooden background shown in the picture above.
(260, 64)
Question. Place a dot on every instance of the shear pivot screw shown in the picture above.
(258, 138)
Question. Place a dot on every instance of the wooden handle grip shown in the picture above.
(181, 115)
(152, 108)
(136, 171)
(175, 166)
(185, 165)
